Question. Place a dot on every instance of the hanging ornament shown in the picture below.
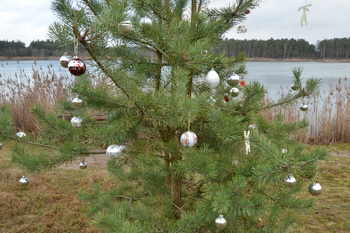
(204, 52)
(114, 151)
(76, 121)
(0, 145)
(220, 222)
(83, 165)
(261, 223)
(64, 60)
(76, 66)
(294, 87)
(247, 142)
(146, 21)
(315, 189)
(252, 126)
(212, 79)
(77, 102)
(21, 134)
(247, 11)
(290, 180)
(234, 92)
(233, 80)
(241, 29)
(235, 162)
(226, 98)
(284, 151)
(188, 139)
(125, 26)
(304, 107)
(242, 83)
(24, 181)
(303, 19)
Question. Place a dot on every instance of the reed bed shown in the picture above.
(23, 91)
(328, 115)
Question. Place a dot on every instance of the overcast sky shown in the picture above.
(28, 20)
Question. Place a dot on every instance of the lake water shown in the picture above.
(275, 76)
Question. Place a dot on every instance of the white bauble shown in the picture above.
(125, 26)
(21, 134)
(188, 139)
(146, 21)
(114, 151)
(76, 121)
(212, 79)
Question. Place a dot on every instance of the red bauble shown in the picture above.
(76, 67)
(227, 99)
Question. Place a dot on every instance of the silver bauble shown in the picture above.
(76, 121)
(220, 222)
(21, 134)
(233, 80)
(125, 26)
(146, 21)
(114, 151)
(212, 79)
(234, 92)
(294, 87)
(315, 189)
(77, 102)
(24, 181)
(290, 180)
(0, 145)
(83, 165)
(304, 107)
(284, 151)
(64, 60)
(235, 162)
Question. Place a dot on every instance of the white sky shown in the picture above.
(28, 20)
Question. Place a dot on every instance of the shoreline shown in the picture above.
(254, 59)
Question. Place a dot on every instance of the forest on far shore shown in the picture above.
(337, 48)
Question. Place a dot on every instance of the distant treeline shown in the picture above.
(275, 49)
(287, 48)
(35, 49)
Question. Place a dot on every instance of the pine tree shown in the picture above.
(151, 91)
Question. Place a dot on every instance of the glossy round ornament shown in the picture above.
(234, 92)
(233, 80)
(1, 145)
(24, 181)
(284, 151)
(220, 222)
(77, 102)
(83, 165)
(290, 180)
(212, 79)
(76, 67)
(21, 134)
(114, 151)
(126, 26)
(315, 189)
(146, 21)
(64, 60)
(304, 107)
(188, 139)
(76, 121)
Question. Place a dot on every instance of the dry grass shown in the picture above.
(50, 203)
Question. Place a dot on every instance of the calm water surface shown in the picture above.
(275, 76)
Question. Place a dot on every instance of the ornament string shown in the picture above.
(76, 46)
(247, 142)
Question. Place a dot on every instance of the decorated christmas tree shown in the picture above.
(184, 132)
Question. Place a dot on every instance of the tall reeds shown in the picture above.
(23, 91)
(328, 115)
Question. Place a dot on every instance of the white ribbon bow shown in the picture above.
(247, 142)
